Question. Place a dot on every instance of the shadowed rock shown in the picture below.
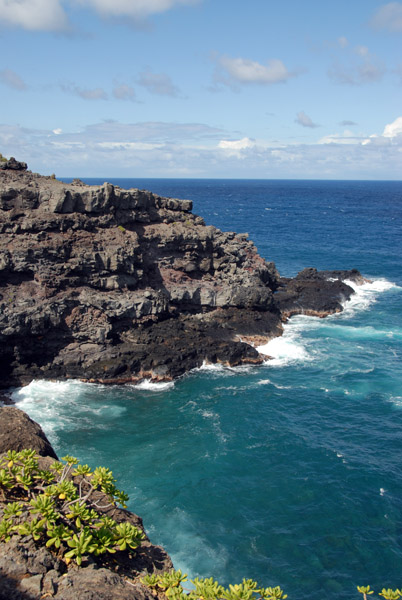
(18, 431)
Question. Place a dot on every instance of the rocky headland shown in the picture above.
(111, 285)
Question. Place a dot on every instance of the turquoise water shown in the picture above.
(289, 473)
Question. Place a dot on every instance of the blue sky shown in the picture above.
(203, 88)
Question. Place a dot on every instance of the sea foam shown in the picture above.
(149, 385)
(289, 347)
(366, 294)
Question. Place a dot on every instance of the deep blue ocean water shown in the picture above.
(289, 473)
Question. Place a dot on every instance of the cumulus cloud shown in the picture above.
(388, 17)
(34, 15)
(124, 92)
(304, 120)
(393, 129)
(232, 71)
(12, 80)
(158, 83)
(136, 9)
(236, 147)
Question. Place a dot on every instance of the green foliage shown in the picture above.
(122, 229)
(80, 545)
(171, 579)
(127, 536)
(390, 594)
(365, 590)
(2, 158)
(207, 588)
(6, 529)
(59, 507)
(271, 593)
(241, 591)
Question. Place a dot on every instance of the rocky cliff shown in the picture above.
(114, 285)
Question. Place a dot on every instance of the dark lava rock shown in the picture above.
(18, 431)
(13, 165)
(316, 293)
(114, 285)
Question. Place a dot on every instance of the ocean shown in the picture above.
(289, 473)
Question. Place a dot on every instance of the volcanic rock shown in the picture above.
(114, 285)
(18, 431)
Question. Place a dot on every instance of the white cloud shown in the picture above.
(136, 9)
(236, 144)
(245, 71)
(49, 15)
(124, 92)
(57, 131)
(157, 149)
(12, 80)
(388, 17)
(158, 83)
(34, 15)
(347, 137)
(393, 129)
(304, 120)
(236, 147)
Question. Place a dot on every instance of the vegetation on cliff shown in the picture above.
(60, 508)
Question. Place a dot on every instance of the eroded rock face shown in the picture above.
(105, 283)
(114, 285)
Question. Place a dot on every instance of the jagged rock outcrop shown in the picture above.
(316, 293)
(31, 571)
(113, 285)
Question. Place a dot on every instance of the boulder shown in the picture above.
(18, 431)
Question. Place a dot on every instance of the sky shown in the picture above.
(263, 89)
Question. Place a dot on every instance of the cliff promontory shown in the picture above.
(113, 285)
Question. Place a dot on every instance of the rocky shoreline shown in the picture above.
(113, 286)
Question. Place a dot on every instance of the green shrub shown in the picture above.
(59, 507)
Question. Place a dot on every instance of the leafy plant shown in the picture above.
(80, 545)
(60, 506)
